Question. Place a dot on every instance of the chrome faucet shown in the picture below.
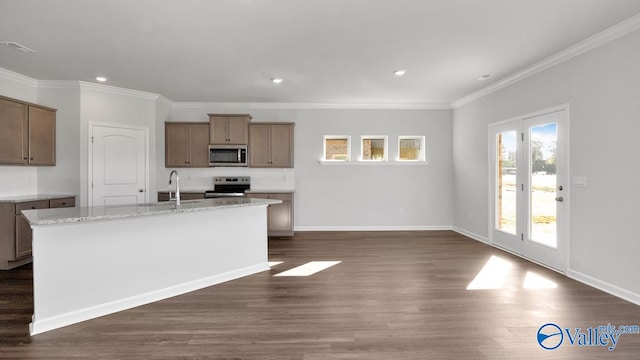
(177, 198)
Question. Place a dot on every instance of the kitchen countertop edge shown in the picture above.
(33, 197)
(98, 213)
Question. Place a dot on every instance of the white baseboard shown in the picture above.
(372, 228)
(58, 321)
(604, 286)
(477, 237)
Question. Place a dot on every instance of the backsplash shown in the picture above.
(18, 180)
(202, 179)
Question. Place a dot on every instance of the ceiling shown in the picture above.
(327, 51)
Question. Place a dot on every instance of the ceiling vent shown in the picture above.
(14, 45)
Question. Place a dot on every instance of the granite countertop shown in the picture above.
(32, 197)
(96, 213)
(283, 191)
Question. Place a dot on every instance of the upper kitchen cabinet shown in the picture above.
(186, 144)
(27, 133)
(271, 145)
(228, 128)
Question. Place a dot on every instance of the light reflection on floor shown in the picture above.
(309, 268)
(495, 272)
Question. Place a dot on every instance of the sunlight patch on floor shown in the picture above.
(309, 268)
(535, 281)
(274, 263)
(492, 276)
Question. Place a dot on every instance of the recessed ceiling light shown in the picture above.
(399, 72)
(483, 77)
(101, 78)
(277, 80)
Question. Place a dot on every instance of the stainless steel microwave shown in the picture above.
(227, 155)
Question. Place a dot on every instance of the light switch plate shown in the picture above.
(579, 181)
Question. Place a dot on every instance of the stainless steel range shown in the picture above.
(229, 186)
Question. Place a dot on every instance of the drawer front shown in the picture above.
(64, 202)
(274, 196)
(31, 205)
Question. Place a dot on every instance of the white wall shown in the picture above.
(348, 196)
(18, 180)
(64, 177)
(602, 87)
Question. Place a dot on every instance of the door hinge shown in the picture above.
(521, 187)
(521, 236)
(521, 136)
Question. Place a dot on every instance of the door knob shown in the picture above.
(142, 190)
(559, 199)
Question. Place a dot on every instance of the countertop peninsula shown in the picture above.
(96, 213)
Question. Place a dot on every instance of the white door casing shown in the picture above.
(528, 205)
(118, 164)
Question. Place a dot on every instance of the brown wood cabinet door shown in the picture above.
(218, 129)
(238, 128)
(42, 136)
(13, 132)
(23, 237)
(176, 145)
(259, 145)
(199, 145)
(279, 216)
(282, 146)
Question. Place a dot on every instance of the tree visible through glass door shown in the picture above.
(542, 172)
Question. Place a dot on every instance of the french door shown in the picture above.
(529, 193)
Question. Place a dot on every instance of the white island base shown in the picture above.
(86, 269)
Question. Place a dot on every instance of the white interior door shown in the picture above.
(529, 191)
(119, 165)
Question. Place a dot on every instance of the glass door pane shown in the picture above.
(542, 172)
(506, 181)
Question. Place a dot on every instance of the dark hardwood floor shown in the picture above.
(395, 295)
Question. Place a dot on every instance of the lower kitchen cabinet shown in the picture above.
(15, 232)
(279, 216)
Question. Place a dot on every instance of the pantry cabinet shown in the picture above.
(271, 145)
(27, 133)
(186, 144)
(231, 129)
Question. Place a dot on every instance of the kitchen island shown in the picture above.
(93, 261)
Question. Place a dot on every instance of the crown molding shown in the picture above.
(107, 89)
(14, 76)
(307, 106)
(603, 37)
(58, 84)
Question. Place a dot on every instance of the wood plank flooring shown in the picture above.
(395, 295)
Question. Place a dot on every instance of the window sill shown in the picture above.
(374, 163)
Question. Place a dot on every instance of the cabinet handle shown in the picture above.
(31, 159)
(33, 207)
(64, 203)
(25, 158)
